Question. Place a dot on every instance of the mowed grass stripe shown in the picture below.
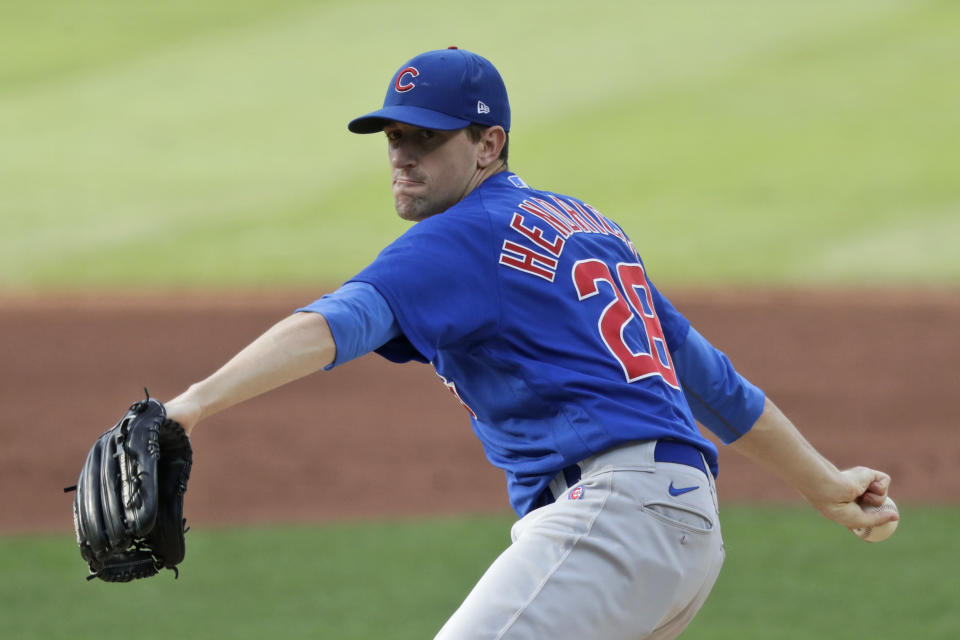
(732, 140)
(789, 574)
(46, 41)
(753, 175)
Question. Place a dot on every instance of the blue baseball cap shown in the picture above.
(444, 90)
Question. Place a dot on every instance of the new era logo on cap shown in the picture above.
(445, 90)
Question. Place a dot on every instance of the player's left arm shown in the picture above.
(328, 332)
(296, 346)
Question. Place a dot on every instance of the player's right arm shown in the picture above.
(743, 417)
(776, 444)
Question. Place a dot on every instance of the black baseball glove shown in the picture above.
(128, 510)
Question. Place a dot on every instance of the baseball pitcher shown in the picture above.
(579, 377)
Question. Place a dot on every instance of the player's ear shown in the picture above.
(491, 143)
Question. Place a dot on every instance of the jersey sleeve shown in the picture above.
(439, 281)
(674, 324)
(359, 318)
(720, 398)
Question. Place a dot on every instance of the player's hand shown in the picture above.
(857, 487)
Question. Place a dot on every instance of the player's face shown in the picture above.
(431, 170)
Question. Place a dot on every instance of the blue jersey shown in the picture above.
(537, 312)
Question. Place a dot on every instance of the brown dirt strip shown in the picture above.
(870, 377)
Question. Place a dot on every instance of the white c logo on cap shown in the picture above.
(399, 84)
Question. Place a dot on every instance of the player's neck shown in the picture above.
(482, 174)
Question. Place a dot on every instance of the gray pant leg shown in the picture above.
(625, 561)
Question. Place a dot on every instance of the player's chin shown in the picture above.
(412, 209)
(404, 209)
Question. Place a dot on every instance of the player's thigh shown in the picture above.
(593, 564)
(543, 540)
(646, 565)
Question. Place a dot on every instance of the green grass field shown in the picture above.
(789, 575)
(183, 145)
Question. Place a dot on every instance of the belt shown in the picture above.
(680, 453)
(672, 451)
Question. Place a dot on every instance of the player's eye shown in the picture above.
(393, 134)
(427, 134)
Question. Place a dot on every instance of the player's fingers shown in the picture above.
(871, 499)
(871, 518)
(881, 484)
(876, 493)
(865, 480)
(852, 516)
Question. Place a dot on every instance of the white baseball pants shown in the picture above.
(630, 552)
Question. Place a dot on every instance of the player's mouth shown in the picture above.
(401, 184)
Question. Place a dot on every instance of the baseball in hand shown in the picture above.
(883, 531)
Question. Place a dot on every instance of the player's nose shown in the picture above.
(402, 155)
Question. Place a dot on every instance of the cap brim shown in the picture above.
(375, 121)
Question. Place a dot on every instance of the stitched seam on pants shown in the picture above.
(516, 616)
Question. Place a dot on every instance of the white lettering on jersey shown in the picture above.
(544, 227)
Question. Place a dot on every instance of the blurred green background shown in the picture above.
(186, 144)
(789, 575)
(204, 145)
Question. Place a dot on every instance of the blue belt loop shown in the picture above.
(571, 474)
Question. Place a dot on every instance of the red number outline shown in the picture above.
(626, 306)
